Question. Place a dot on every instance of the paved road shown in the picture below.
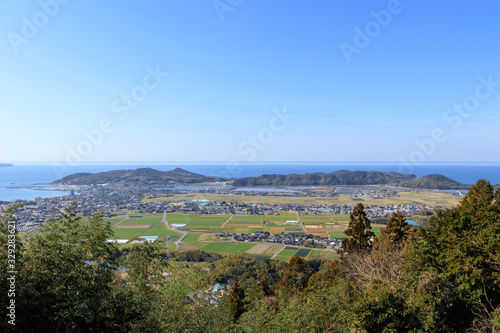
(167, 225)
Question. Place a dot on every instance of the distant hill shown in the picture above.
(141, 175)
(341, 177)
(2, 165)
(434, 181)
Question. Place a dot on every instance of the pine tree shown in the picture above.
(237, 300)
(397, 228)
(359, 238)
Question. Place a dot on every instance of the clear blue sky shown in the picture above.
(65, 70)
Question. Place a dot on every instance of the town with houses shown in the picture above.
(118, 200)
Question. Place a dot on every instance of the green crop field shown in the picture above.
(314, 218)
(160, 232)
(222, 217)
(217, 247)
(280, 218)
(141, 221)
(242, 230)
(303, 253)
(242, 225)
(247, 218)
(337, 234)
(259, 257)
(196, 244)
(128, 231)
(281, 258)
(240, 248)
(314, 253)
(287, 253)
(341, 217)
(254, 230)
(207, 223)
(218, 230)
(191, 238)
(181, 218)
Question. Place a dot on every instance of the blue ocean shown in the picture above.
(17, 182)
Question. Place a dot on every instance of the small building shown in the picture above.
(149, 239)
(292, 222)
(117, 241)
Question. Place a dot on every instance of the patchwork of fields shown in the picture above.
(202, 230)
(136, 225)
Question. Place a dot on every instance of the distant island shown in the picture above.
(4, 165)
(142, 175)
(342, 177)
(434, 181)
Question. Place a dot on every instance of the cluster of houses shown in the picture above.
(116, 200)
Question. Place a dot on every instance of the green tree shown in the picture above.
(295, 278)
(359, 237)
(463, 243)
(10, 261)
(66, 276)
(237, 300)
(397, 229)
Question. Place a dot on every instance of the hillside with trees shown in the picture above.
(341, 177)
(434, 181)
(442, 278)
(142, 175)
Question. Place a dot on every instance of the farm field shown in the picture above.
(191, 238)
(259, 248)
(406, 197)
(217, 247)
(141, 221)
(241, 248)
(142, 225)
(202, 230)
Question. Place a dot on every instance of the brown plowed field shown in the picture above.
(259, 248)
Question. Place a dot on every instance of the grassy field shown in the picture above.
(160, 232)
(128, 231)
(242, 218)
(141, 221)
(191, 238)
(302, 253)
(314, 253)
(218, 247)
(181, 218)
(241, 248)
(287, 253)
(207, 223)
